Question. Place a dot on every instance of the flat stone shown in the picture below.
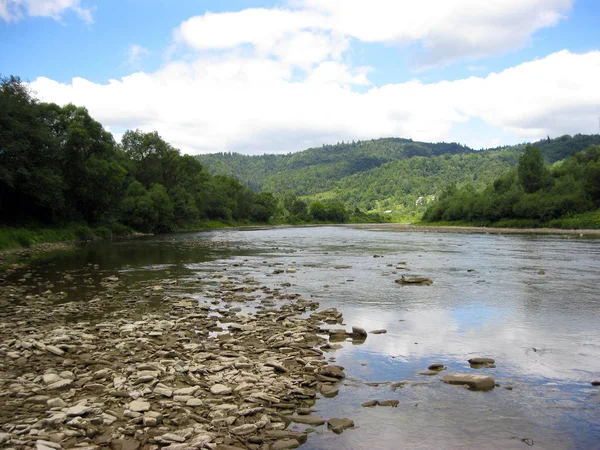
(287, 434)
(49, 378)
(242, 430)
(139, 406)
(220, 389)
(329, 391)
(194, 402)
(185, 391)
(308, 420)
(166, 392)
(78, 410)
(481, 361)
(475, 382)
(124, 444)
(370, 404)
(61, 384)
(380, 331)
(332, 371)
(392, 403)
(55, 350)
(429, 372)
(414, 281)
(339, 425)
(47, 444)
(172, 437)
(284, 444)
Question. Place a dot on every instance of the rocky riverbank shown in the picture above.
(115, 373)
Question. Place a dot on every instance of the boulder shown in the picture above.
(436, 366)
(358, 331)
(474, 382)
(370, 404)
(481, 361)
(339, 425)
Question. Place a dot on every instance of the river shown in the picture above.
(530, 302)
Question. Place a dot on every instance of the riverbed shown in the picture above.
(529, 301)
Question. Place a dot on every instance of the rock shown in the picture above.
(78, 410)
(5, 437)
(166, 392)
(278, 367)
(61, 384)
(49, 378)
(416, 281)
(429, 372)
(287, 434)
(329, 391)
(124, 444)
(481, 361)
(436, 366)
(55, 350)
(284, 444)
(172, 437)
(392, 403)
(596, 383)
(220, 389)
(359, 331)
(380, 331)
(308, 420)
(370, 404)
(139, 406)
(474, 382)
(242, 430)
(332, 371)
(56, 403)
(339, 425)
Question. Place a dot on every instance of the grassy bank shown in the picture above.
(585, 221)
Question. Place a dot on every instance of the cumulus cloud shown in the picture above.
(15, 10)
(255, 104)
(444, 31)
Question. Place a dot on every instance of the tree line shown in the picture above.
(59, 166)
(532, 192)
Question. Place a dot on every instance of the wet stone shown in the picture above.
(339, 425)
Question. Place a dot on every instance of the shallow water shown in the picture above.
(529, 302)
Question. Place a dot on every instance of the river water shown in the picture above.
(530, 302)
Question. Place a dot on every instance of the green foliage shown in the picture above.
(529, 195)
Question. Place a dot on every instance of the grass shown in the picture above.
(31, 236)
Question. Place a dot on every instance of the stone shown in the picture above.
(414, 281)
(359, 331)
(481, 361)
(329, 391)
(186, 391)
(124, 444)
(242, 430)
(49, 378)
(380, 331)
(47, 444)
(284, 444)
(392, 403)
(172, 437)
(370, 404)
(596, 383)
(78, 410)
(55, 350)
(61, 384)
(339, 425)
(287, 434)
(139, 406)
(308, 420)
(194, 402)
(166, 392)
(436, 366)
(220, 389)
(474, 382)
(332, 371)
(5, 437)
(429, 372)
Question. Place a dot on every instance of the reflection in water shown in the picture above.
(529, 302)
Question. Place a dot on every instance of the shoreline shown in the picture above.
(405, 227)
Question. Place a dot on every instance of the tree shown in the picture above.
(533, 173)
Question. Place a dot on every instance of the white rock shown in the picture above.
(78, 410)
(49, 378)
(139, 406)
(220, 389)
(55, 350)
(56, 403)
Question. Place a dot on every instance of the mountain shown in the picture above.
(385, 174)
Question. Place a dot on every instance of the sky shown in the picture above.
(260, 77)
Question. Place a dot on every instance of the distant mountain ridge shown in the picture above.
(382, 174)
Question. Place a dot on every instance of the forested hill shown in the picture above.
(318, 169)
(383, 174)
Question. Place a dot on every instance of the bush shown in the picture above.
(118, 229)
(83, 233)
(103, 232)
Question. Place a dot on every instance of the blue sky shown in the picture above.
(255, 77)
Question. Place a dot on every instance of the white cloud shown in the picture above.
(255, 105)
(15, 10)
(444, 31)
(135, 55)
